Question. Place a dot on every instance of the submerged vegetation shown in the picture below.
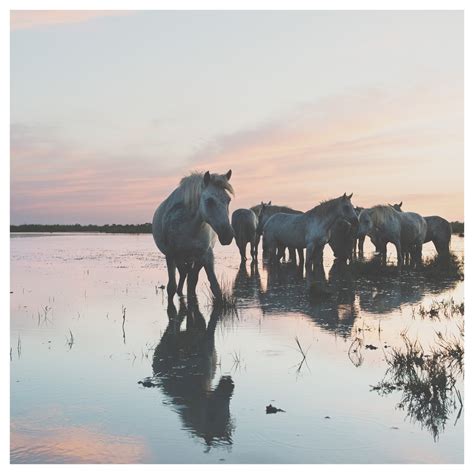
(227, 303)
(437, 266)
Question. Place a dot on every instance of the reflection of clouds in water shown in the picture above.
(184, 367)
(33, 442)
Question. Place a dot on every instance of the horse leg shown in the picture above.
(193, 276)
(171, 287)
(318, 256)
(309, 258)
(183, 272)
(292, 253)
(301, 257)
(399, 254)
(211, 275)
(257, 242)
(361, 246)
(253, 250)
(242, 248)
(280, 253)
(442, 247)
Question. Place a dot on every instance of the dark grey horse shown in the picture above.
(406, 230)
(185, 227)
(358, 245)
(438, 231)
(310, 230)
(266, 210)
(343, 236)
(244, 223)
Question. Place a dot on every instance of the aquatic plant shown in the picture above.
(426, 380)
(450, 266)
(446, 308)
(226, 303)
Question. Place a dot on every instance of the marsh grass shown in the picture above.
(227, 303)
(446, 308)
(450, 266)
(303, 353)
(426, 380)
(70, 340)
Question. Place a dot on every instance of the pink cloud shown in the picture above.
(26, 19)
(382, 148)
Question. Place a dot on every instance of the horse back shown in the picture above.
(413, 228)
(286, 229)
(437, 228)
(244, 223)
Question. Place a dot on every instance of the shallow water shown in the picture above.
(89, 322)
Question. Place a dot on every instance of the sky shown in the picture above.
(110, 109)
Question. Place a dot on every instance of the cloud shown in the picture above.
(28, 19)
(377, 144)
(381, 146)
(54, 181)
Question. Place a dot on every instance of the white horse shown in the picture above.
(383, 224)
(310, 230)
(185, 226)
(438, 231)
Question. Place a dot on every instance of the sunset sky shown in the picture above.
(110, 109)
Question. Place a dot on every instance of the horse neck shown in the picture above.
(326, 221)
(197, 221)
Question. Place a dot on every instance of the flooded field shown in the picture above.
(367, 370)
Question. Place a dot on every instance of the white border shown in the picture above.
(467, 6)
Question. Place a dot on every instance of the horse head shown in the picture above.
(365, 223)
(347, 210)
(214, 205)
(397, 207)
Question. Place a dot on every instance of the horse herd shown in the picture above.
(186, 224)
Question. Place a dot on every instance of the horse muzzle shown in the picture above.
(226, 236)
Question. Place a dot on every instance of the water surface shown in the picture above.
(104, 370)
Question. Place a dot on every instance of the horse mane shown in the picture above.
(380, 213)
(324, 207)
(285, 209)
(193, 184)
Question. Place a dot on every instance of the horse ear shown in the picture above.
(401, 202)
(344, 195)
(269, 203)
(350, 195)
(207, 178)
(228, 174)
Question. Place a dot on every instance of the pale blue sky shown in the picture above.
(150, 95)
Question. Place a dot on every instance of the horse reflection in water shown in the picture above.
(184, 366)
(333, 309)
(385, 293)
(247, 284)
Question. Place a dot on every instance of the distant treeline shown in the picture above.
(458, 228)
(108, 228)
